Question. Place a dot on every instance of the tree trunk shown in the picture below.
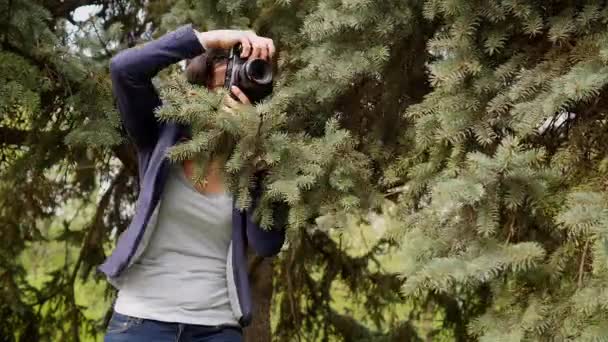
(261, 276)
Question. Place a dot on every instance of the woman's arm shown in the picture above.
(266, 243)
(132, 71)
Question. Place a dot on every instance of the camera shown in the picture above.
(252, 76)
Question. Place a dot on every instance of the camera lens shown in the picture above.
(259, 71)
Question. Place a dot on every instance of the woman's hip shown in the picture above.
(122, 328)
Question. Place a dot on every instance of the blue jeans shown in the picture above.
(132, 329)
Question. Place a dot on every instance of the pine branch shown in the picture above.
(20, 137)
(103, 43)
(63, 84)
(581, 267)
(13, 136)
(349, 328)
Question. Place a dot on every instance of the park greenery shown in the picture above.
(443, 164)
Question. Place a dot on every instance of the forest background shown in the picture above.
(444, 163)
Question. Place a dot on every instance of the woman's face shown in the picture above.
(218, 75)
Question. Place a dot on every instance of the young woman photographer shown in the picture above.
(181, 267)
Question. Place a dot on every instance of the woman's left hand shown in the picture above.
(232, 104)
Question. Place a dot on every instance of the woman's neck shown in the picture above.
(213, 181)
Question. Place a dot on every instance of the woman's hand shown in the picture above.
(254, 46)
(239, 95)
(230, 104)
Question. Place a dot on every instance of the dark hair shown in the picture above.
(199, 69)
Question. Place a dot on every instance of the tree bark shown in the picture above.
(261, 276)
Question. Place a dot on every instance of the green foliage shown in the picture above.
(476, 129)
(57, 128)
(511, 194)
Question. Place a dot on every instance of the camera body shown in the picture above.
(252, 76)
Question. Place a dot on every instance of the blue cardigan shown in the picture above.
(132, 71)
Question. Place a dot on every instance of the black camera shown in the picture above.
(252, 76)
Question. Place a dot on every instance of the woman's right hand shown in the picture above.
(253, 45)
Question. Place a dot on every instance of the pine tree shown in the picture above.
(476, 130)
(59, 140)
(495, 156)
(505, 185)
(319, 136)
(64, 131)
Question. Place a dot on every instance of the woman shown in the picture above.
(180, 266)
